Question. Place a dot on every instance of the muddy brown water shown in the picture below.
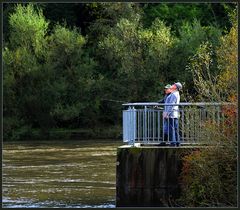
(62, 174)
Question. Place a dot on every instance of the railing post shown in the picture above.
(145, 125)
(134, 124)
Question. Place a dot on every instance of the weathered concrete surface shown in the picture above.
(148, 176)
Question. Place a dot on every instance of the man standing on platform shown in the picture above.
(171, 114)
(167, 92)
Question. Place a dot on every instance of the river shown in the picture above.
(65, 174)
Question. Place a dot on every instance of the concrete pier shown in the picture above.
(148, 176)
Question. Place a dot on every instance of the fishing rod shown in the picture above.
(112, 100)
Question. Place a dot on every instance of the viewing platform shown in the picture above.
(148, 167)
(143, 123)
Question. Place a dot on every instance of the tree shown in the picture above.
(227, 58)
(23, 58)
(71, 71)
(190, 38)
(136, 57)
(176, 14)
(48, 79)
(209, 176)
(213, 82)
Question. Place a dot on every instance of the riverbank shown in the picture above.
(113, 132)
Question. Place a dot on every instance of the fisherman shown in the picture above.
(167, 91)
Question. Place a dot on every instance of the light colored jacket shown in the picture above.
(172, 111)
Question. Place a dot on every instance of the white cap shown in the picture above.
(179, 85)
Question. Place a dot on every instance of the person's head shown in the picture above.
(176, 86)
(167, 88)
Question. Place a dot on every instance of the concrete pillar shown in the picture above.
(148, 176)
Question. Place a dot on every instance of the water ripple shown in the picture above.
(77, 175)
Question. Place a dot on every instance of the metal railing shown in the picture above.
(144, 123)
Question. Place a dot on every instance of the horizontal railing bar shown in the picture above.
(180, 104)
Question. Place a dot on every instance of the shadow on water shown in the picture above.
(78, 174)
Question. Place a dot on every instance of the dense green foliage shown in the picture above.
(70, 65)
(175, 14)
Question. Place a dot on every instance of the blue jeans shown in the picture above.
(165, 129)
(173, 130)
